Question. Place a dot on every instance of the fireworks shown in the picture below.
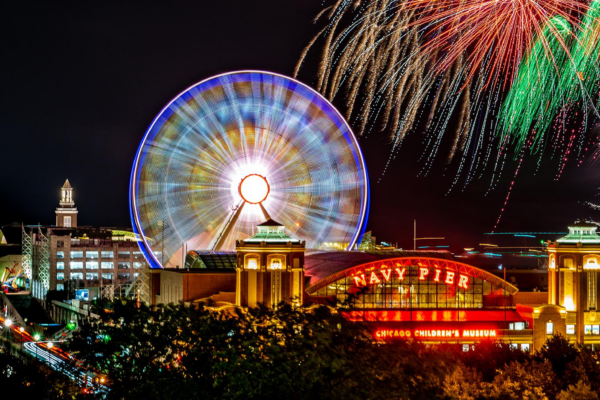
(431, 65)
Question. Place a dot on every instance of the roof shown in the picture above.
(324, 268)
(66, 185)
(271, 232)
(225, 260)
(270, 222)
(581, 232)
(323, 264)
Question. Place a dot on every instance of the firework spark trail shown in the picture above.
(536, 95)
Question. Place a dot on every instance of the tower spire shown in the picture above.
(66, 212)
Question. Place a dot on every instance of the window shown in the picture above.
(60, 276)
(60, 286)
(595, 329)
(137, 265)
(67, 222)
(107, 254)
(549, 328)
(568, 262)
(60, 265)
(77, 265)
(570, 329)
(124, 265)
(465, 347)
(91, 265)
(525, 347)
(276, 264)
(587, 330)
(252, 263)
(60, 243)
(124, 254)
(91, 255)
(77, 254)
(137, 255)
(91, 276)
(123, 276)
(517, 326)
(107, 265)
(60, 255)
(514, 346)
(76, 275)
(107, 275)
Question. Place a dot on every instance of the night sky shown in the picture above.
(81, 82)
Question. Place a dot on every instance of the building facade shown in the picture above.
(68, 256)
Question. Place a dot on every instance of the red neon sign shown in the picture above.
(449, 278)
(435, 333)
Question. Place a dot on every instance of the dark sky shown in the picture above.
(81, 81)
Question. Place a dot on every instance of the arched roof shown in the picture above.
(345, 268)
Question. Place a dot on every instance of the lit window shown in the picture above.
(91, 276)
(124, 265)
(587, 330)
(107, 265)
(137, 265)
(107, 254)
(252, 263)
(60, 265)
(77, 254)
(525, 347)
(91, 265)
(60, 276)
(108, 276)
(549, 328)
(511, 326)
(276, 264)
(465, 347)
(514, 346)
(60, 255)
(595, 329)
(60, 286)
(519, 326)
(570, 329)
(77, 265)
(76, 275)
(91, 254)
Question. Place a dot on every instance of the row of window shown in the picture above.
(91, 276)
(137, 255)
(515, 346)
(587, 329)
(60, 265)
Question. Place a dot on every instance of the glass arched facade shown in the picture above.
(396, 286)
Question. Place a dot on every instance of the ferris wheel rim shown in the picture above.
(359, 159)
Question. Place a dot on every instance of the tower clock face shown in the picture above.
(67, 222)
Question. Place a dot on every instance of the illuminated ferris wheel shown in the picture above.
(239, 148)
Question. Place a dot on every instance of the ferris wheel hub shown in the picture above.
(254, 188)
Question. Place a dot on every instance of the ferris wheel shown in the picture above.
(237, 149)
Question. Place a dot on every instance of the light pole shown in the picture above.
(21, 329)
(37, 338)
(8, 323)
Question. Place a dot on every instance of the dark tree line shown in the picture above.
(181, 352)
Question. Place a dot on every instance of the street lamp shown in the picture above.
(21, 329)
(37, 338)
(8, 323)
(49, 345)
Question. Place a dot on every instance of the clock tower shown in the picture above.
(66, 212)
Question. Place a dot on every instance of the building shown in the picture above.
(574, 261)
(270, 268)
(70, 257)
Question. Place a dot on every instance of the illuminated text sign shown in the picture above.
(435, 333)
(437, 274)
